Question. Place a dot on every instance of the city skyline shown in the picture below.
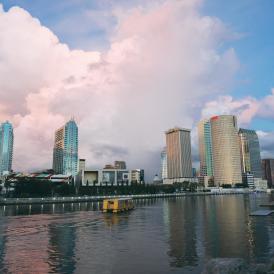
(99, 75)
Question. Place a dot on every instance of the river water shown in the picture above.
(172, 235)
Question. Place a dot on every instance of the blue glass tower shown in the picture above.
(65, 153)
(205, 148)
(6, 147)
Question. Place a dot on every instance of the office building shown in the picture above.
(178, 148)
(205, 148)
(65, 152)
(163, 164)
(268, 171)
(250, 152)
(226, 150)
(120, 165)
(6, 148)
(137, 176)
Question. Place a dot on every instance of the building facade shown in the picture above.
(163, 164)
(226, 150)
(137, 176)
(65, 152)
(6, 147)
(268, 171)
(120, 165)
(205, 148)
(178, 149)
(250, 152)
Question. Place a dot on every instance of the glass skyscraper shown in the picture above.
(6, 147)
(163, 164)
(65, 152)
(250, 152)
(205, 148)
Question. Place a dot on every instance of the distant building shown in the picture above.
(194, 172)
(226, 150)
(250, 152)
(106, 177)
(109, 166)
(82, 164)
(120, 165)
(260, 184)
(163, 164)
(178, 149)
(157, 180)
(6, 147)
(137, 176)
(65, 152)
(268, 171)
(115, 177)
(116, 165)
(205, 148)
(248, 179)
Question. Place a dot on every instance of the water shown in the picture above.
(174, 235)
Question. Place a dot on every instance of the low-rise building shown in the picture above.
(180, 180)
(137, 176)
(248, 179)
(260, 184)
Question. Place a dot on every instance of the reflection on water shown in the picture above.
(177, 235)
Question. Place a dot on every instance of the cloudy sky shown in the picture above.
(129, 70)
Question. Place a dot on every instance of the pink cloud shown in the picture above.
(162, 60)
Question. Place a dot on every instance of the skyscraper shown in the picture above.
(226, 150)
(6, 147)
(268, 171)
(65, 152)
(250, 152)
(205, 148)
(178, 149)
(163, 164)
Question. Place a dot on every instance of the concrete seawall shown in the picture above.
(80, 199)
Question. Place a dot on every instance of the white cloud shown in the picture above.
(163, 63)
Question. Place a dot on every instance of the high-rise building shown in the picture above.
(205, 148)
(178, 149)
(65, 152)
(6, 147)
(268, 171)
(226, 150)
(250, 152)
(163, 164)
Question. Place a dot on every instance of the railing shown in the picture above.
(74, 199)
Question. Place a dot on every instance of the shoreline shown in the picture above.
(82, 199)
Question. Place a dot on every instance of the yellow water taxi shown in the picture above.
(118, 205)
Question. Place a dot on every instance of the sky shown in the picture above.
(129, 70)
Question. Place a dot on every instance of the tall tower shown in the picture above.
(178, 149)
(226, 150)
(65, 151)
(205, 148)
(250, 152)
(6, 147)
(163, 164)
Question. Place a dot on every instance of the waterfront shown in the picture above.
(171, 235)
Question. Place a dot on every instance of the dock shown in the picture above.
(270, 204)
(261, 212)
